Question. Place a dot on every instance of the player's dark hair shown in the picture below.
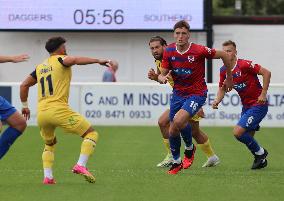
(229, 42)
(158, 38)
(181, 24)
(54, 43)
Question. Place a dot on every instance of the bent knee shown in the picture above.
(238, 131)
(21, 125)
(163, 123)
(93, 136)
(195, 133)
(51, 142)
(179, 125)
(90, 129)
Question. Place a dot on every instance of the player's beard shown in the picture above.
(158, 56)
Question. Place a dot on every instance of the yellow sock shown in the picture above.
(89, 143)
(167, 145)
(207, 149)
(88, 147)
(48, 156)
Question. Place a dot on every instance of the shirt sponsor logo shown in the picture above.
(182, 71)
(240, 86)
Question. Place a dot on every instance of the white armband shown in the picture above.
(25, 104)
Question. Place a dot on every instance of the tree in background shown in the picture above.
(249, 7)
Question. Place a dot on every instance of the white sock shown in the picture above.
(189, 148)
(48, 173)
(83, 159)
(214, 157)
(178, 161)
(260, 151)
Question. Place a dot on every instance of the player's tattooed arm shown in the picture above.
(220, 95)
(24, 93)
(229, 66)
(266, 74)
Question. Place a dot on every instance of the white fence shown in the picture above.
(259, 43)
(143, 103)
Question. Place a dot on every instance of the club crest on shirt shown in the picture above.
(252, 65)
(190, 58)
(208, 50)
(173, 58)
(237, 74)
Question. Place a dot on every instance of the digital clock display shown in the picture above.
(99, 14)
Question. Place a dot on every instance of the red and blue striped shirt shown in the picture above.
(188, 68)
(245, 81)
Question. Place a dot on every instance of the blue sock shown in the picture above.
(187, 135)
(7, 139)
(249, 141)
(175, 143)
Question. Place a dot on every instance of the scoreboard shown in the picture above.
(99, 14)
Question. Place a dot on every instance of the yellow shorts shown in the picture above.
(63, 117)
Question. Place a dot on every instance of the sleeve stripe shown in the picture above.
(61, 61)
(33, 74)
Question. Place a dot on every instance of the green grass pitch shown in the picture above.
(124, 164)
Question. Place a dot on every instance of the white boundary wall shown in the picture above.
(143, 103)
(263, 44)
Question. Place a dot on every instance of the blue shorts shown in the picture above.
(6, 109)
(251, 117)
(190, 104)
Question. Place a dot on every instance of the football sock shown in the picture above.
(87, 148)
(48, 173)
(187, 137)
(249, 141)
(48, 159)
(167, 145)
(207, 149)
(7, 139)
(260, 152)
(175, 143)
(178, 160)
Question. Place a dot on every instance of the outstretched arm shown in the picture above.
(14, 59)
(24, 93)
(229, 66)
(71, 60)
(266, 74)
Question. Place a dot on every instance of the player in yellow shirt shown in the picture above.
(157, 45)
(53, 77)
